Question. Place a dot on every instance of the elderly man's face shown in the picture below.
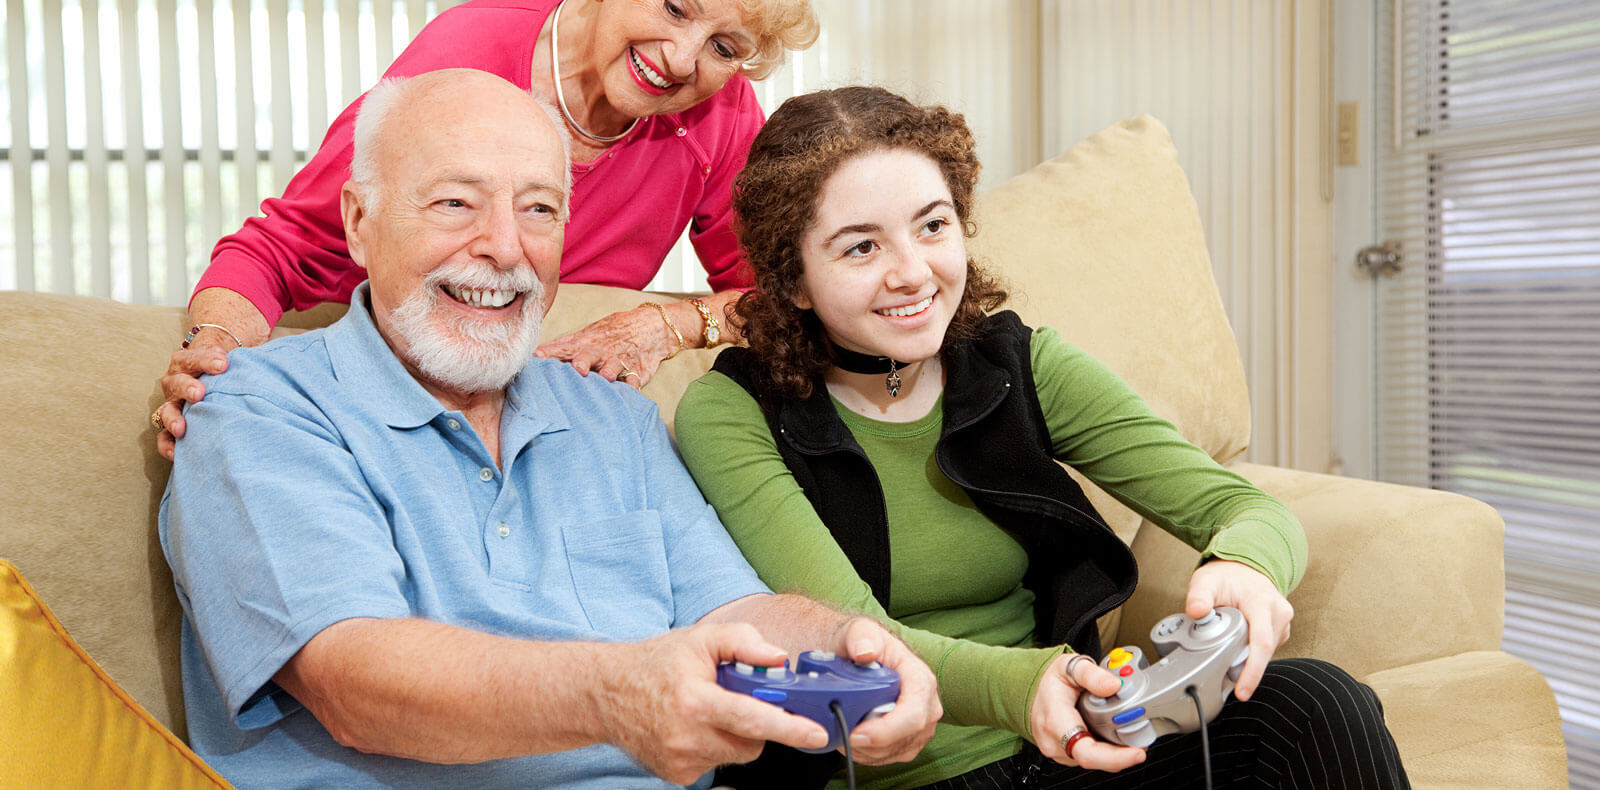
(464, 245)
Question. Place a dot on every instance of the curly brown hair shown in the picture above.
(776, 195)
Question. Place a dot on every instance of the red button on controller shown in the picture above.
(1127, 669)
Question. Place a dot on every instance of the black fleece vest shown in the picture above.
(996, 446)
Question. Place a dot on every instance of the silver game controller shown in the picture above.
(1206, 655)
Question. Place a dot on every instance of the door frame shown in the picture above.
(1355, 72)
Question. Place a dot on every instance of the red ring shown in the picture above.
(1073, 741)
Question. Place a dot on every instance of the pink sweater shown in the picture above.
(628, 207)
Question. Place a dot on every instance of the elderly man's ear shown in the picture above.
(353, 212)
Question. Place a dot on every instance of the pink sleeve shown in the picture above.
(711, 233)
(294, 255)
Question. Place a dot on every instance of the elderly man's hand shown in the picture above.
(669, 713)
(901, 733)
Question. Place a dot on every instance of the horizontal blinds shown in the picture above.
(1489, 371)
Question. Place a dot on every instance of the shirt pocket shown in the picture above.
(619, 573)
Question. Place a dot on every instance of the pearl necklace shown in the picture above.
(561, 101)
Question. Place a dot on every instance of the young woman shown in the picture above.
(660, 112)
(886, 445)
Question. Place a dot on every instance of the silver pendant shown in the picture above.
(892, 382)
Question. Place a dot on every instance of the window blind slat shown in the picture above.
(211, 192)
(95, 159)
(21, 147)
(173, 160)
(246, 153)
(281, 108)
(134, 158)
(62, 266)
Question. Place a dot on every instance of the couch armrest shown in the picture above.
(1397, 574)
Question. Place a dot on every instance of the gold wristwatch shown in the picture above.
(713, 330)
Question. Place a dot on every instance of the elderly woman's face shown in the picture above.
(665, 56)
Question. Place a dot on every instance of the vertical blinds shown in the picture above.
(1489, 357)
(140, 131)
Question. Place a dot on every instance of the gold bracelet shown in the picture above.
(673, 329)
(713, 330)
(195, 330)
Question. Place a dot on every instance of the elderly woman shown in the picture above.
(887, 446)
(657, 98)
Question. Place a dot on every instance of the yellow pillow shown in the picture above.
(63, 720)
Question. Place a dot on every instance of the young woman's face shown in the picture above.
(664, 56)
(885, 260)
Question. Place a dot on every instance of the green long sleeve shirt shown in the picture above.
(956, 591)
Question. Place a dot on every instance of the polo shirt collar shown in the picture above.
(360, 357)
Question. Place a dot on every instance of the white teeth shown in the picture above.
(650, 74)
(481, 297)
(910, 309)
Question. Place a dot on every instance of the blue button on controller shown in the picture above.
(773, 696)
(1127, 716)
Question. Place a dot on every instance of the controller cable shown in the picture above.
(849, 759)
(1205, 740)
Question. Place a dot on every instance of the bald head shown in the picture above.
(456, 208)
(402, 108)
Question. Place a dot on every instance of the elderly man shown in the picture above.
(400, 543)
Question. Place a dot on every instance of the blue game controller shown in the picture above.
(1205, 656)
(820, 680)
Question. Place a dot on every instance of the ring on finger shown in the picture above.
(624, 373)
(155, 419)
(1071, 737)
(1072, 663)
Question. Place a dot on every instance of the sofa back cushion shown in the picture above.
(83, 479)
(1104, 244)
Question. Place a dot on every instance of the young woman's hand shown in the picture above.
(1265, 610)
(1054, 718)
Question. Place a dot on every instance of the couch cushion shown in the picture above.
(77, 512)
(1104, 243)
(1447, 741)
(64, 722)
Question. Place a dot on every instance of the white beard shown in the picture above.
(461, 353)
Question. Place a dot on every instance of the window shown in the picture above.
(1490, 337)
(139, 131)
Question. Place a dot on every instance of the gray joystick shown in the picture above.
(1205, 655)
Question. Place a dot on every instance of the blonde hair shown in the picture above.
(784, 25)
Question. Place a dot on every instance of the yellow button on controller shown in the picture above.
(1118, 658)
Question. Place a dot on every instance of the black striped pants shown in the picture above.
(1309, 725)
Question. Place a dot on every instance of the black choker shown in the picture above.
(857, 362)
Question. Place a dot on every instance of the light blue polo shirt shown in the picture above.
(318, 481)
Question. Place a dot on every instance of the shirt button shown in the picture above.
(455, 425)
(503, 530)
(681, 131)
(486, 474)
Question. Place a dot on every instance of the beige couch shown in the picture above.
(1405, 586)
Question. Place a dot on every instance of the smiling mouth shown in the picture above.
(488, 298)
(650, 75)
(910, 309)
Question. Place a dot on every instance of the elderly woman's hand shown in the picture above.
(628, 346)
(1266, 611)
(181, 384)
